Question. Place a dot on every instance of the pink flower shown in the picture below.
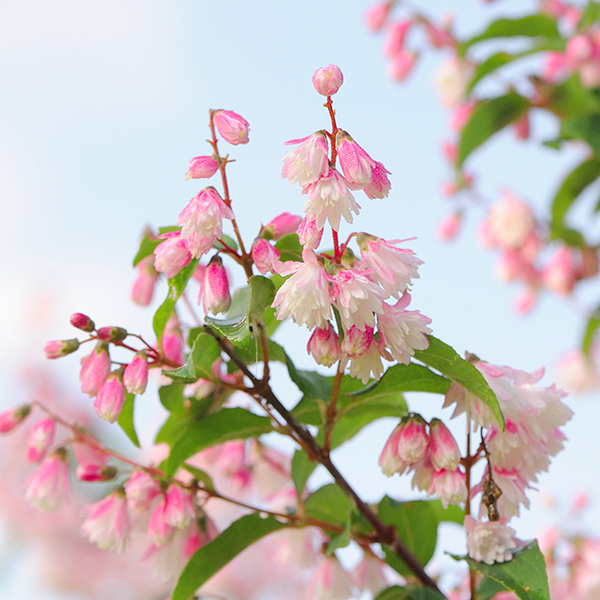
(10, 418)
(49, 485)
(392, 268)
(111, 397)
(179, 509)
(329, 581)
(172, 340)
(309, 234)
(439, 38)
(92, 464)
(82, 322)
(450, 486)
(578, 373)
(379, 186)
(362, 366)
(265, 256)
(394, 44)
(423, 473)
(328, 80)
(413, 441)
(401, 65)
(389, 461)
(305, 295)
(172, 255)
(451, 79)
(521, 127)
(357, 341)
(141, 490)
(202, 221)
(107, 524)
(135, 377)
(281, 225)
(143, 287)
(403, 331)
(158, 528)
(489, 542)
(560, 272)
(95, 368)
(355, 162)
(461, 116)
(309, 161)
(40, 439)
(215, 287)
(448, 228)
(443, 449)
(369, 575)
(202, 167)
(323, 345)
(376, 15)
(232, 127)
(59, 348)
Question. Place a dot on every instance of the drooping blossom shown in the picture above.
(443, 449)
(95, 368)
(368, 364)
(215, 287)
(396, 36)
(179, 509)
(423, 473)
(48, 487)
(323, 346)
(111, 397)
(379, 186)
(577, 372)
(449, 485)
(92, 464)
(389, 460)
(172, 340)
(40, 439)
(489, 542)
(369, 575)
(107, 523)
(356, 164)
(305, 295)
(143, 286)
(308, 161)
(413, 441)
(158, 528)
(309, 234)
(449, 226)
(329, 199)
(9, 419)
(141, 490)
(281, 225)
(265, 256)
(328, 80)
(401, 65)
(329, 581)
(376, 15)
(135, 377)
(202, 167)
(232, 127)
(561, 271)
(60, 348)
(171, 255)
(202, 221)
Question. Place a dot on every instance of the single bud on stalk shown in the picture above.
(135, 377)
(142, 289)
(328, 80)
(40, 439)
(111, 397)
(215, 289)
(443, 448)
(59, 348)
(96, 473)
(265, 256)
(82, 322)
(202, 167)
(112, 334)
(232, 127)
(323, 346)
(10, 418)
(95, 368)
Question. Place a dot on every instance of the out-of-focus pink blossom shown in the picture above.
(111, 397)
(309, 161)
(215, 287)
(107, 522)
(329, 581)
(265, 256)
(171, 255)
(526, 300)
(328, 80)
(60, 348)
(439, 38)
(92, 463)
(323, 346)
(578, 373)
(451, 80)
(9, 419)
(40, 439)
(143, 286)
(396, 34)
(560, 272)
(461, 115)
(401, 65)
(389, 461)
(135, 377)
(172, 340)
(449, 226)
(202, 167)
(521, 127)
(179, 509)
(202, 221)
(376, 15)
(443, 449)
(95, 368)
(141, 490)
(82, 322)
(489, 542)
(281, 225)
(232, 127)
(309, 234)
(158, 528)
(450, 486)
(369, 575)
(48, 487)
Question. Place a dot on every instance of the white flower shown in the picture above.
(489, 542)
(308, 161)
(107, 524)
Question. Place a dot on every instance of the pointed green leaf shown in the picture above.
(341, 540)
(488, 589)
(223, 426)
(200, 475)
(302, 469)
(171, 397)
(126, 418)
(310, 383)
(200, 360)
(590, 16)
(443, 358)
(525, 574)
(329, 504)
(236, 330)
(212, 557)
(177, 286)
(171, 429)
(262, 293)
(289, 248)
(452, 514)
(582, 176)
(489, 117)
(586, 128)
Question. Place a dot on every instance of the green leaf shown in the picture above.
(171, 429)
(452, 514)
(176, 288)
(223, 426)
(310, 383)
(530, 26)
(200, 360)
(228, 240)
(569, 236)
(171, 397)
(488, 589)
(236, 330)
(591, 15)
(342, 539)
(580, 178)
(216, 554)
(416, 524)
(569, 99)
(590, 330)
(410, 593)
(302, 469)
(262, 293)
(289, 248)
(200, 475)
(329, 504)
(442, 357)
(393, 593)
(586, 128)
(253, 353)
(525, 574)
(489, 117)
(126, 419)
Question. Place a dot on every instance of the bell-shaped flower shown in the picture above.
(111, 397)
(95, 368)
(172, 255)
(443, 449)
(49, 485)
(40, 439)
(107, 522)
(215, 287)
(489, 542)
(232, 127)
(323, 346)
(308, 161)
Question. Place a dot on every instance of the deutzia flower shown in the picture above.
(329, 582)
(306, 163)
(49, 485)
(489, 542)
(107, 523)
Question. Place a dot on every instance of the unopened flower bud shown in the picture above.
(82, 322)
(413, 441)
(111, 397)
(389, 461)
(59, 348)
(232, 127)
(202, 167)
(142, 289)
(264, 255)
(281, 225)
(444, 450)
(10, 418)
(328, 80)
(135, 377)
(215, 289)
(112, 334)
(96, 473)
(324, 347)
(309, 234)
(40, 439)
(95, 368)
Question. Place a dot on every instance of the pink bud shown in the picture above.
(49, 485)
(355, 162)
(82, 322)
(179, 509)
(158, 528)
(521, 127)
(112, 334)
(394, 43)
(92, 463)
(449, 226)
(309, 234)
(450, 486)
(10, 418)
(439, 38)
(413, 441)
(461, 115)
(389, 461)
(95, 368)
(141, 490)
(444, 452)
(401, 65)
(59, 348)
(143, 287)
(40, 439)
(232, 127)
(376, 15)
(135, 377)
(265, 256)
(215, 289)
(107, 523)
(202, 167)
(356, 341)
(111, 397)
(172, 255)
(324, 347)
(281, 225)
(328, 80)
(172, 340)
(96, 473)
(560, 273)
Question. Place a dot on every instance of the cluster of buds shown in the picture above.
(581, 55)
